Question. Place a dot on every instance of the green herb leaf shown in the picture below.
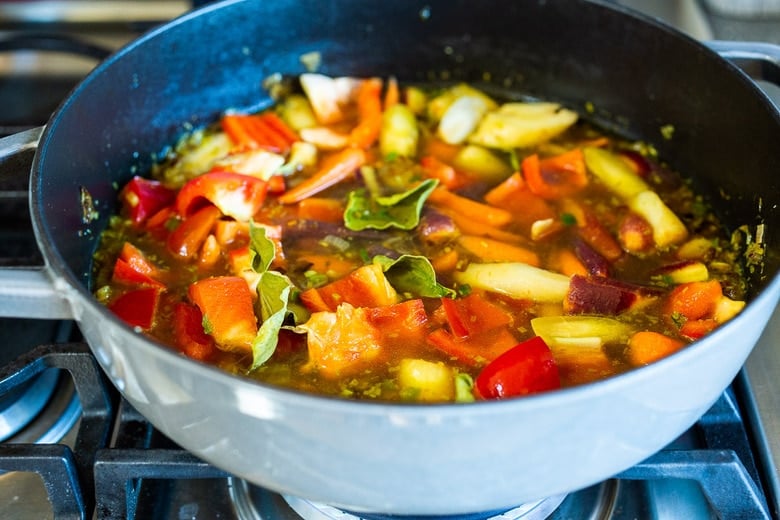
(414, 275)
(274, 292)
(401, 210)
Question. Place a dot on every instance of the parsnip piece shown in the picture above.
(614, 173)
(328, 96)
(324, 138)
(587, 331)
(668, 229)
(482, 162)
(461, 118)
(399, 134)
(439, 105)
(430, 381)
(726, 308)
(517, 280)
(520, 125)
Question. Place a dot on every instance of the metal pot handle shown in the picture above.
(760, 61)
(27, 292)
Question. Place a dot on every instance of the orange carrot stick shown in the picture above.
(333, 170)
(470, 208)
(488, 250)
(646, 347)
(369, 104)
(322, 209)
(392, 94)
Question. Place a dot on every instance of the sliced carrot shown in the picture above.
(445, 262)
(228, 311)
(645, 347)
(238, 133)
(392, 94)
(469, 208)
(334, 169)
(259, 130)
(280, 127)
(449, 177)
(513, 195)
(566, 262)
(555, 177)
(597, 236)
(369, 105)
(469, 226)
(489, 250)
(694, 300)
(322, 209)
(442, 151)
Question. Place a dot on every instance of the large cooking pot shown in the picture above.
(638, 76)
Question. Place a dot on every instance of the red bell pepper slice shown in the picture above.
(400, 322)
(527, 368)
(189, 335)
(228, 311)
(141, 198)
(187, 239)
(236, 195)
(137, 307)
(133, 268)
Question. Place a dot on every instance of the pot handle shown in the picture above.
(27, 292)
(760, 61)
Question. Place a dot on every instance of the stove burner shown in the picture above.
(254, 503)
(20, 406)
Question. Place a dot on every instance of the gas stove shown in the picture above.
(71, 447)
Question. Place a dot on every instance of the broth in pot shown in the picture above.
(371, 240)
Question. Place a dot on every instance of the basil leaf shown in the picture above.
(274, 292)
(267, 337)
(261, 248)
(401, 210)
(414, 275)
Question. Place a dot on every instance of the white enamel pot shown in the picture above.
(637, 74)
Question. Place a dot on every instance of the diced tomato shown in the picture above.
(236, 195)
(189, 335)
(134, 269)
(142, 198)
(342, 342)
(137, 307)
(366, 286)
(402, 323)
(228, 311)
(473, 350)
(473, 315)
(187, 239)
(527, 368)
(125, 274)
(696, 329)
